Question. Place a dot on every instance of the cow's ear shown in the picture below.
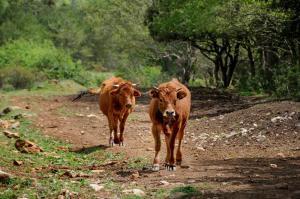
(114, 92)
(137, 93)
(154, 93)
(181, 94)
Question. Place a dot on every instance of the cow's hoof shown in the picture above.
(121, 143)
(170, 167)
(111, 142)
(178, 163)
(155, 167)
(116, 141)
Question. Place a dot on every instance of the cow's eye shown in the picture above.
(160, 100)
(174, 102)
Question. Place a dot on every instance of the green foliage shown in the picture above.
(17, 77)
(146, 76)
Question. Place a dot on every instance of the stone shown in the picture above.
(163, 182)
(136, 192)
(98, 171)
(4, 124)
(277, 119)
(280, 155)
(200, 148)
(231, 134)
(96, 187)
(26, 146)
(7, 110)
(18, 162)
(10, 134)
(15, 125)
(4, 176)
(135, 175)
(274, 166)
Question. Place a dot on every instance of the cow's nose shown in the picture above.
(128, 105)
(170, 113)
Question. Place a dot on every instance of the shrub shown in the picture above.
(17, 78)
(146, 76)
(56, 63)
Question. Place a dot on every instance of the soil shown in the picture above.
(234, 147)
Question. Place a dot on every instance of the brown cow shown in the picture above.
(169, 112)
(116, 101)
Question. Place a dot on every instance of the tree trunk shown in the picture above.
(251, 62)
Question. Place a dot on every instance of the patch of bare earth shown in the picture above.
(232, 148)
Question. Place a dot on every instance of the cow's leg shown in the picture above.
(122, 127)
(156, 135)
(113, 120)
(111, 138)
(171, 166)
(167, 133)
(180, 137)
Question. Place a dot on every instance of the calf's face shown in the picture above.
(167, 100)
(126, 95)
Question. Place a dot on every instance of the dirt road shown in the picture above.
(231, 149)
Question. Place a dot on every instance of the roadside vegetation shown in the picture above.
(248, 46)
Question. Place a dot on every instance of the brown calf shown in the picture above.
(169, 112)
(116, 101)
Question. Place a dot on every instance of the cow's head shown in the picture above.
(125, 94)
(167, 99)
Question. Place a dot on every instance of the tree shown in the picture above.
(219, 29)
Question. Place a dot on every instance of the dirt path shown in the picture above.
(249, 153)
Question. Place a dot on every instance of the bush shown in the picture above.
(44, 56)
(146, 76)
(17, 78)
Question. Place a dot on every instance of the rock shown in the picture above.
(136, 192)
(92, 115)
(97, 171)
(244, 131)
(135, 175)
(191, 181)
(96, 187)
(15, 125)
(4, 124)
(231, 134)
(184, 166)
(79, 115)
(280, 155)
(149, 149)
(70, 174)
(261, 138)
(254, 124)
(4, 176)
(7, 110)
(274, 166)
(200, 148)
(10, 134)
(281, 186)
(61, 197)
(163, 182)
(18, 116)
(26, 146)
(18, 162)
(278, 119)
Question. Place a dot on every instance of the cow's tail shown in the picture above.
(90, 91)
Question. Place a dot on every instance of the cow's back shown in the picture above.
(105, 98)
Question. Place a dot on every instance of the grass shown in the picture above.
(34, 178)
(137, 163)
(47, 88)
